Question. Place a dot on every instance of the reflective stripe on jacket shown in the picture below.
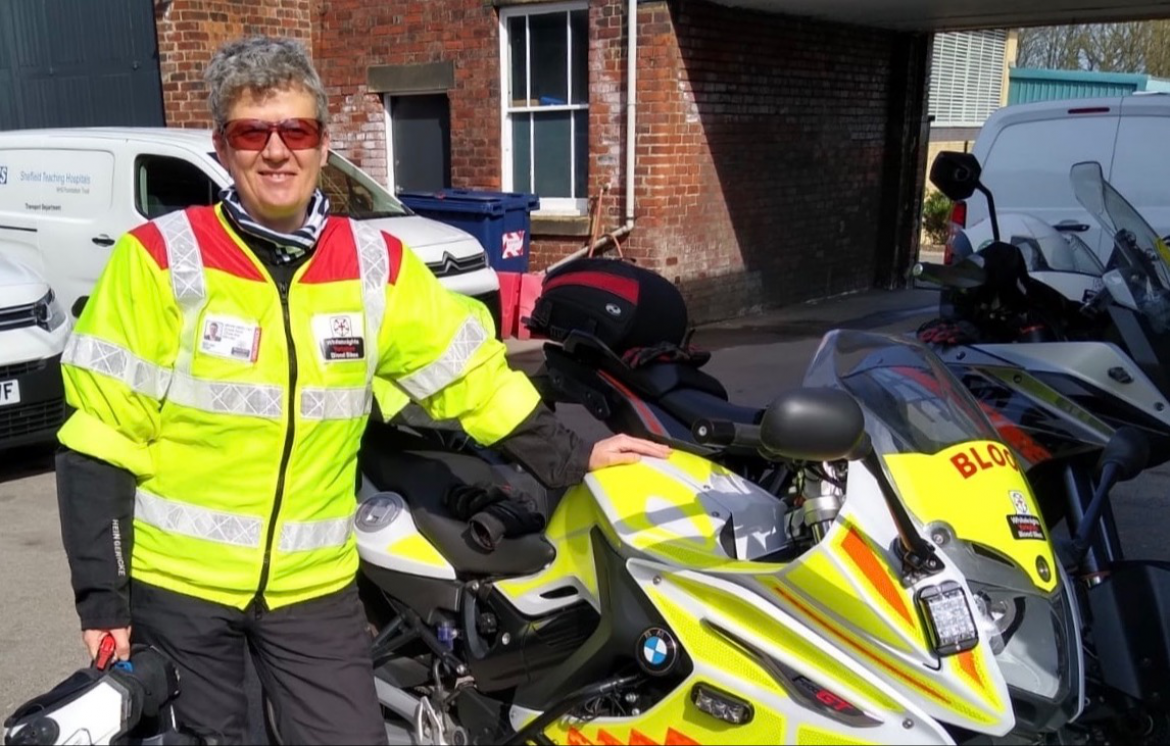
(239, 405)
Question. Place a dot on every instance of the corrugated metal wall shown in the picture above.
(72, 63)
(1028, 85)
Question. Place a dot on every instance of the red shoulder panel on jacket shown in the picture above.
(394, 247)
(335, 257)
(217, 247)
(151, 239)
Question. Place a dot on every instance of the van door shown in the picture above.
(1027, 161)
(71, 190)
(145, 184)
(1141, 159)
(19, 207)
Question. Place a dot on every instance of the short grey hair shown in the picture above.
(261, 63)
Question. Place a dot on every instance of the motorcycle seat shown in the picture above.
(422, 477)
(651, 381)
(658, 380)
(523, 555)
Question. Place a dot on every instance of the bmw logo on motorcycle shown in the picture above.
(657, 651)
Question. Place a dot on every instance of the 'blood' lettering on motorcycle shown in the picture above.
(975, 459)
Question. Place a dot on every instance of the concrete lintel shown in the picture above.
(430, 77)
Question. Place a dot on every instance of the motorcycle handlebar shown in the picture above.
(964, 275)
(726, 433)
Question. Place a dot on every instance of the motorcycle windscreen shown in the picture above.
(969, 495)
(912, 403)
(1142, 251)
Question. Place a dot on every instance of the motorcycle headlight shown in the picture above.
(1033, 635)
(48, 312)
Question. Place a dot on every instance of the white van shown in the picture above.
(66, 195)
(1026, 151)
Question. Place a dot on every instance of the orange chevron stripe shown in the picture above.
(871, 566)
(577, 738)
(674, 738)
(892, 669)
(606, 739)
(967, 663)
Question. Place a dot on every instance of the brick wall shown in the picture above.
(352, 35)
(761, 143)
(189, 31)
(760, 138)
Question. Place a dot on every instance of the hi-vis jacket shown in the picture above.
(239, 404)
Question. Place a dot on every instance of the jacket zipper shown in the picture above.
(283, 287)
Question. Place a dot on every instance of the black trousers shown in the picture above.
(313, 660)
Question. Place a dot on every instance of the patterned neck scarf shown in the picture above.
(285, 246)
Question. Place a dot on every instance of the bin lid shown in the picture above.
(444, 201)
(505, 200)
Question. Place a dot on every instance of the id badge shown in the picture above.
(230, 338)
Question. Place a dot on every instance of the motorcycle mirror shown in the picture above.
(814, 424)
(79, 306)
(1128, 451)
(955, 174)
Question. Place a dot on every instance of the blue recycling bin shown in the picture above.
(501, 221)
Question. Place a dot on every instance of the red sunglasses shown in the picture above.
(253, 134)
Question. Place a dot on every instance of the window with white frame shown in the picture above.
(544, 51)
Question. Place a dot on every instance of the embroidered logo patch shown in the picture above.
(340, 336)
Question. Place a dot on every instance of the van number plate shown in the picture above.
(9, 392)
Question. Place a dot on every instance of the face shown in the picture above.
(276, 183)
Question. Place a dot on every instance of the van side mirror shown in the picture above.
(956, 174)
(79, 306)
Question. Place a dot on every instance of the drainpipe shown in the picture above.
(631, 109)
(631, 135)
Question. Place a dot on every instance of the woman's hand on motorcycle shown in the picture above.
(623, 449)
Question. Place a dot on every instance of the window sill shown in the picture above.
(560, 225)
(506, 3)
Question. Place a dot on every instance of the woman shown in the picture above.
(206, 487)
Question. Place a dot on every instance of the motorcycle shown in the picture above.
(1062, 380)
(1054, 254)
(896, 585)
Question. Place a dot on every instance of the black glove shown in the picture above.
(465, 500)
(947, 332)
(665, 352)
(494, 512)
(505, 519)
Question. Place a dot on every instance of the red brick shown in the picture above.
(760, 138)
(189, 31)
